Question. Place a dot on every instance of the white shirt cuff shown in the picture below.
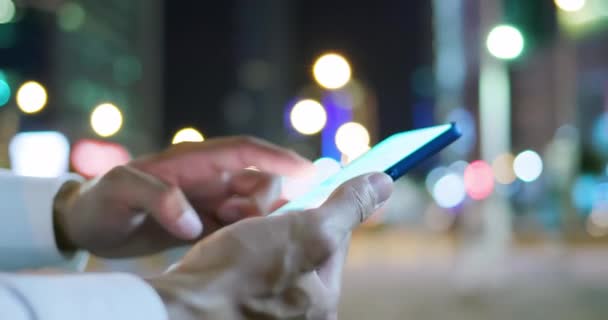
(89, 296)
(27, 235)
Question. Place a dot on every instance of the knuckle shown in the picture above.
(361, 199)
(117, 173)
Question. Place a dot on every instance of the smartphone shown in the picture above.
(395, 156)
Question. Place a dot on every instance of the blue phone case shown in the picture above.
(427, 151)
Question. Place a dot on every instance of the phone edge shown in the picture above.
(402, 167)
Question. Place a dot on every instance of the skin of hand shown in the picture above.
(164, 200)
(279, 267)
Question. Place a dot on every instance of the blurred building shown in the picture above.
(85, 53)
(110, 51)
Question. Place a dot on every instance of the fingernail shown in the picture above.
(383, 186)
(189, 224)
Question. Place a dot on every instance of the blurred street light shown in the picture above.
(570, 5)
(106, 119)
(187, 135)
(308, 117)
(505, 42)
(352, 139)
(479, 180)
(70, 16)
(449, 191)
(528, 166)
(92, 158)
(503, 168)
(31, 97)
(332, 71)
(7, 11)
(39, 154)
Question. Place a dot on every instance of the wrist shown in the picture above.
(62, 204)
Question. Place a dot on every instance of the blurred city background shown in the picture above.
(509, 222)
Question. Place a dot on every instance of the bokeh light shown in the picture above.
(106, 119)
(70, 16)
(332, 71)
(478, 180)
(7, 11)
(31, 97)
(352, 139)
(503, 168)
(92, 158)
(308, 117)
(187, 135)
(5, 92)
(458, 167)
(570, 5)
(39, 154)
(505, 42)
(599, 216)
(597, 222)
(449, 191)
(433, 176)
(528, 166)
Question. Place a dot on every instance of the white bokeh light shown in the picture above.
(332, 71)
(39, 154)
(308, 117)
(106, 119)
(528, 166)
(352, 139)
(7, 11)
(449, 191)
(505, 42)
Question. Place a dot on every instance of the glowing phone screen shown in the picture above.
(394, 155)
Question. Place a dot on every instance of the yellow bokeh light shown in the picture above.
(31, 97)
(187, 135)
(106, 119)
(352, 139)
(332, 71)
(308, 117)
(503, 168)
(570, 5)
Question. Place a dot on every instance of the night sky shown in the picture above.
(385, 42)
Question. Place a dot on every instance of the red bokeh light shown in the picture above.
(479, 180)
(92, 158)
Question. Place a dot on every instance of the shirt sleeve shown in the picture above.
(74, 297)
(27, 237)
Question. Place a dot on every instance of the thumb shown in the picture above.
(353, 202)
(164, 203)
(322, 230)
